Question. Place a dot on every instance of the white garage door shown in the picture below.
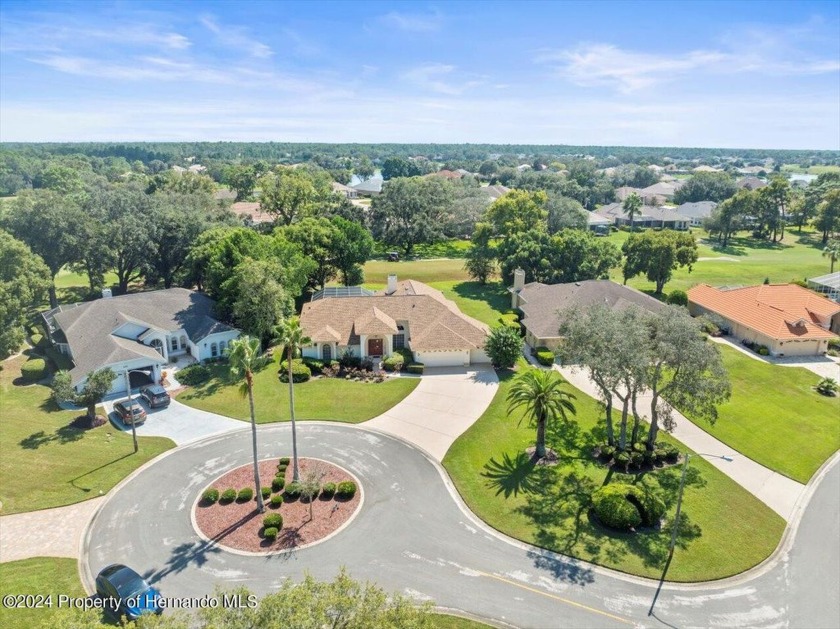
(479, 357)
(443, 359)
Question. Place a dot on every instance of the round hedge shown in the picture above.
(245, 494)
(624, 507)
(273, 520)
(328, 490)
(278, 483)
(276, 500)
(270, 533)
(228, 495)
(210, 495)
(293, 490)
(300, 372)
(33, 369)
(346, 489)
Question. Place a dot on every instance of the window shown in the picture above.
(214, 350)
(183, 342)
(399, 341)
(326, 351)
(174, 343)
(158, 345)
(221, 347)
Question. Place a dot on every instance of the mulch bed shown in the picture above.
(239, 525)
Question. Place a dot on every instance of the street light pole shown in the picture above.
(131, 409)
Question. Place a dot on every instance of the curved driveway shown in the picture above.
(412, 536)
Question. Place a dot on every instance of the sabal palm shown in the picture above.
(832, 252)
(245, 358)
(632, 205)
(542, 396)
(290, 335)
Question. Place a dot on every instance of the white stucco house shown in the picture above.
(406, 314)
(140, 332)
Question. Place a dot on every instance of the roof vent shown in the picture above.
(577, 283)
(106, 293)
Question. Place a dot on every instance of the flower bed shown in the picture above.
(238, 525)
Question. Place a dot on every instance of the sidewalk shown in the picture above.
(778, 492)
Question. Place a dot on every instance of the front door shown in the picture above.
(374, 347)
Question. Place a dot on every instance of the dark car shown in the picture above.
(393, 256)
(155, 396)
(127, 593)
(135, 415)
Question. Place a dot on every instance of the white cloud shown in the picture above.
(236, 38)
(412, 22)
(432, 77)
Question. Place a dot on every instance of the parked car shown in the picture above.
(131, 594)
(393, 256)
(130, 414)
(155, 396)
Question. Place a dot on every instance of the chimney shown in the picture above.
(392, 284)
(518, 280)
(106, 293)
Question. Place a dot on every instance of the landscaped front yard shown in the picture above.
(332, 399)
(775, 417)
(724, 530)
(46, 462)
(39, 576)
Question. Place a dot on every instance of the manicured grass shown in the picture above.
(485, 303)
(743, 262)
(724, 529)
(812, 170)
(48, 463)
(445, 249)
(448, 621)
(775, 417)
(322, 398)
(39, 576)
(446, 270)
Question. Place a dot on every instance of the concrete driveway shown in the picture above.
(181, 423)
(447, 401)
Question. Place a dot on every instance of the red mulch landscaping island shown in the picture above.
(238, 524)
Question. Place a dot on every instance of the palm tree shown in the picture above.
(245, 358)
(540, 393)
(832, 252)
(632, 206)
(290, 334)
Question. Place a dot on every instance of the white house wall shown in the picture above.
(203, 350)
(443, 359)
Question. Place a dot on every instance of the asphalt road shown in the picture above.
(412, 536)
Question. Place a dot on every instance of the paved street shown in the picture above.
(412, 536)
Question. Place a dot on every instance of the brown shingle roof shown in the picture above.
(434, 323)
(780, 311)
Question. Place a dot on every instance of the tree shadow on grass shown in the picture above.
(63, 435)
(72, 481)
(511, 475)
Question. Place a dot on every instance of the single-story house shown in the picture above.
(750, 183)
(138, 332)
(495, 192)
(347, 191)
(625, 191)
(406, 314)
(788, 319)
(251, 211)
(540, 304)
(660, 192)
(598, 224)
(369, 187)
(828, 285)
(696, 212)
(649, 216)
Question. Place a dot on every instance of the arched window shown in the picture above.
(214, 350)
(222, 347)
(158, 345)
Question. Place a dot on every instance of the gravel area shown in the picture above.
(238, 525)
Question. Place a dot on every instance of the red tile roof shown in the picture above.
(780, 311)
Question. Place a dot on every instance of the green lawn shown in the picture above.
(485, 303)
(448, 621)
(40, 576)
(322, 398)
(776, 418)
(441, 270)
(444, 249)
(725, 529)
(812, 170)
(48, 463)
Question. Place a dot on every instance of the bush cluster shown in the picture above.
(285, 460)
(278, 483)
(293, 490)
(622, 506)
(300, 372)
(394, 362)
(345, 489)
(416, 368)
(544, 356)
(316, 365)
(245, 494)
(328, 490)
(678, 298)
(34, 369)
(273, 520)
(228, 495)
(194, 375)
(265, 492)
(270, 533)
(276, 500)
(210, 495)
(510, 320)
(758, 348)
(638, 455)
(37, 340)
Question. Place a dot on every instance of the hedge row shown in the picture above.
(544, 356)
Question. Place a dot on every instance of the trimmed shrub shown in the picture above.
(416, 368)
(762, 350)
(503, 346)
(278, 483)
(607, 452)
(407, 354)
(316, 366)
(678, 298)
(281, 469)
(265, 492)
(328, 490)
(622, 459)
(276, 500)
(245, 494)
(670, 453)
(273, 520)
(349, 359)
(228, 495)
(194, 375)
(827, 387)
(210, 495)
(34, 369)
(637, 459)
(639, 447)
(285, 460)
(511, 321)
(345, 489)
(544, 356)
(300, 372)
(834, 344)
(37, 340)
(293, 490)
(709, 327)
(623, 506)
(394, 362)
(270, 533)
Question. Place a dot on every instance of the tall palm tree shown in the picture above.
(632, 206)
(245, 358)
(541, 394)
(290, 335)
(832, 252)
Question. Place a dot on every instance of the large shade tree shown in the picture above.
(540, 393)
(96, 387)
(245, 358)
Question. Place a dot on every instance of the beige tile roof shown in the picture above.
(780, 311)
(434, 322)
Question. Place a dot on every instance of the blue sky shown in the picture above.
(721, 74)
